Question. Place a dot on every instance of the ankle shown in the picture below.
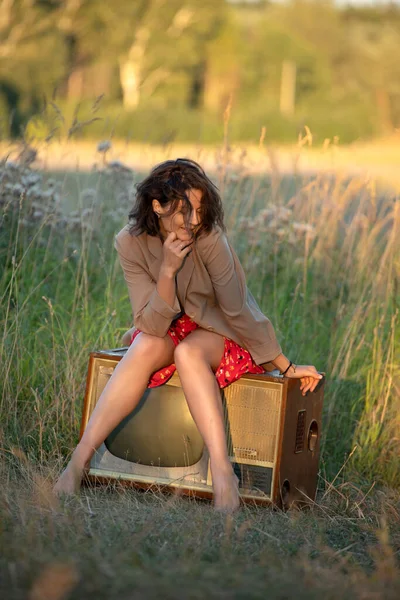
(82, 456)
(221, 467)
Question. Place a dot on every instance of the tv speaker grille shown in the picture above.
(251, 421)
(300, 431)
(254, 481)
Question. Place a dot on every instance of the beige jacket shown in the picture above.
(211, 289)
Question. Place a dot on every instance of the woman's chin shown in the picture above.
(184, 235)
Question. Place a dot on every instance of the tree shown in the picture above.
(168, 37)
(375, 69)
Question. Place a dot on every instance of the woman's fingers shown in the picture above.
(305, 384)
(308, 386)
(175, 251)
(309, 383)
(187, 250)
(309, 377)
(180, 247)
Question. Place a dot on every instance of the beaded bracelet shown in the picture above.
(290, 365)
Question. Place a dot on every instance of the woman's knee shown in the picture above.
(200, 346)
(186, 351)
(152, 348)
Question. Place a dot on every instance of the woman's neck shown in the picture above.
(162, 234)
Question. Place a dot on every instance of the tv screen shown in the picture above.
(159, 432)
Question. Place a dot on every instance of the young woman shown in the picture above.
(192, 312)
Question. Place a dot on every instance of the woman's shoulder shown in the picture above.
(126, 243)
(212, 241)
(210, 238)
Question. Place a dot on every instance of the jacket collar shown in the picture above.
(184, 274)
(154, 244)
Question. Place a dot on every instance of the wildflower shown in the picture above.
(87, 212)
(31, 179)
(87, 227)
(104, 146)
(16, 189)
(266, 212)
(284, 213)
(47, 194)
(89, 195)
(273, 224)
(34, 192)
(304, 228)
(27, 156)
(118, 166)
(256, 262)
(12, 166)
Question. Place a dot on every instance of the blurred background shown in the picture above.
(164, 71)
(293, 109)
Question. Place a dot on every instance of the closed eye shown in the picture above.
(184, 212)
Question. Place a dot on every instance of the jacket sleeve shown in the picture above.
(237, 303)
(151, 314)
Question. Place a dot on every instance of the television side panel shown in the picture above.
(298, 469)
(100, 366)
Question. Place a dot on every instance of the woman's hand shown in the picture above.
(126, 338)
(174, 252)
(308, 376)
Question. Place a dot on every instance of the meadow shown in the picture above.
(321, 252)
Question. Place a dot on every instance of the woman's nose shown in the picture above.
(194, 219)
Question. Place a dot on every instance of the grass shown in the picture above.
(322, 258)
(113, 542)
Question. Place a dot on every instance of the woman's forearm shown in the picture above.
(166, 285)
(281, 362)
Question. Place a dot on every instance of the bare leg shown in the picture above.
(196, 357)
(122, 393)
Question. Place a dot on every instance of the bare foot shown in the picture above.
(226, 491)
(70, 480)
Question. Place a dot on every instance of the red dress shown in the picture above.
(236, 360)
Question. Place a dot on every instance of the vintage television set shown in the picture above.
(273, 435)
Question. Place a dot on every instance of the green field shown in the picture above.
(322, 257)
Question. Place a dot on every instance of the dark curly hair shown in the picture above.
(169, 182)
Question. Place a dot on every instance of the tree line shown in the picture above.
(167, 69)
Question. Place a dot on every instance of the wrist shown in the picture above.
(290, 371)
(284, 365)
(167, 272)
(281, 362)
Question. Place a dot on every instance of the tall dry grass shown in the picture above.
(113, 543)
(321, 255)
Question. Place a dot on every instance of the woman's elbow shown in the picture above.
(150, 327)
(234, 312)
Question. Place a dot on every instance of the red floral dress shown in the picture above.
(236, 360)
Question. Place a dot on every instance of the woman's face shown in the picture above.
(176, 221)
